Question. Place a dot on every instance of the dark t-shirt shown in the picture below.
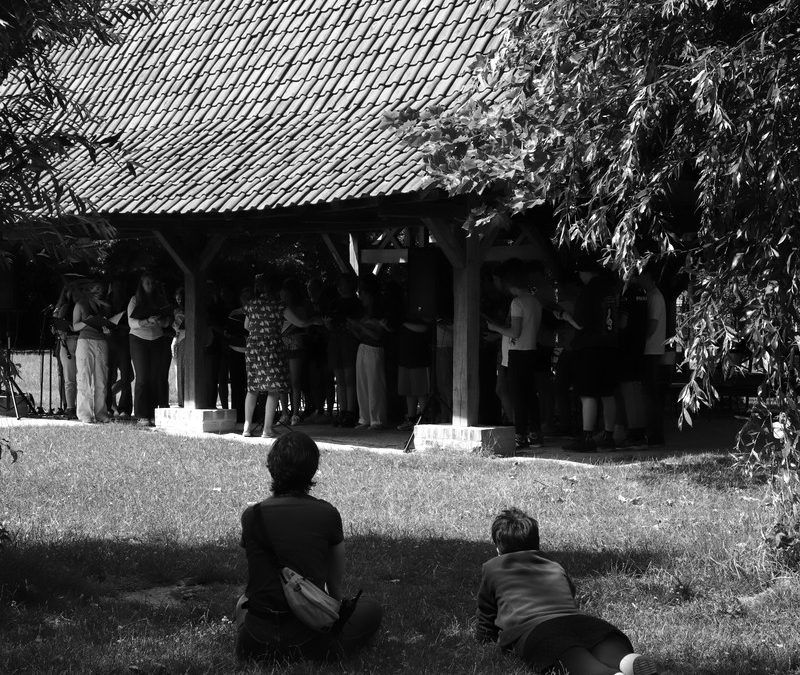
(597, 312)
(302, 531)
(633, 309)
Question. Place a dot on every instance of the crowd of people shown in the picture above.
(584, 358)
(284, 351)
(582, 355)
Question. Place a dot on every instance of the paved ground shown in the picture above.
(711, 433)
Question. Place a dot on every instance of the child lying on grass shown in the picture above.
(526, 603)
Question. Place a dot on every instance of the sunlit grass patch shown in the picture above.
(126, 558)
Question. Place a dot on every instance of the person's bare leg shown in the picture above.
(589, 412)
(249, 408)
(269, 415)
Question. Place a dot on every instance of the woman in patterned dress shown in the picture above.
(265, 353)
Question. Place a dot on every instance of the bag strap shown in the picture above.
(261, 530)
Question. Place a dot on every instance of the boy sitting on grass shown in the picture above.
(526, 603)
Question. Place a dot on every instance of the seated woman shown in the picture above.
(305, 534)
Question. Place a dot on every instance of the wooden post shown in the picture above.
(466, 336)
(194, 262)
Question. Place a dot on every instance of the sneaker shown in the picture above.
(124, 416)
(143, 422)
(285, 419)
(521, 442)
(637, 664)
(582, 443)
(378, 427)
(294, 421)
(535, 440)
(606, 442)
(361, 426)
(407, 424)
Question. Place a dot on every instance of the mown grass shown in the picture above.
(662, 549)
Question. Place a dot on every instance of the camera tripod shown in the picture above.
(8, 384)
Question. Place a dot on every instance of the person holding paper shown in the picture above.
(91, 353)
(148, 314)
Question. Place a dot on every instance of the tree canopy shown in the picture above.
(42, 119)
(654, 128)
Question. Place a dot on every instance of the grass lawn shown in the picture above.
(125, 555)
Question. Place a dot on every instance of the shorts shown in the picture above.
(413, 381)
(543, 645)
(596, 371)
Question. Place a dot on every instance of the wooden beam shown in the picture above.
(337, 258)
(355, 253)
(176, 251)
(450, 243)
(466, 335)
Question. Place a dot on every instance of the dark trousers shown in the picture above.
(120, 374)
(238, 378)
(148, 365)
(292, 641)
(654, 384)
(522, 384)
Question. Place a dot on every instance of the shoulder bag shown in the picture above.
(309, 603)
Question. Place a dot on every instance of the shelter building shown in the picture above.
(260, 117)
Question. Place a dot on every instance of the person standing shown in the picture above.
(67, 343)
(596, 355)
(120, 369)
(370, 331)
(265, 353)
(653, 375)
(147, 318)
(236, 339)
(526, 318)
(179, 343)
(91, 354)
(343, 348)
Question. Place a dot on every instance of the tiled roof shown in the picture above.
(248, 105)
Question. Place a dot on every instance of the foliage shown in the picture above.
(655, 128)
(42, 120)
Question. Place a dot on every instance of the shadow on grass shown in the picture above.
(74, 604)
(712, 471)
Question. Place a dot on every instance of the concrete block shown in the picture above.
(195, 420)
(477, 440)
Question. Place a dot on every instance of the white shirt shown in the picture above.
(529, 309)
(656, 311)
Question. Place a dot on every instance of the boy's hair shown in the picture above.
(514, 530)
(292, 462)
